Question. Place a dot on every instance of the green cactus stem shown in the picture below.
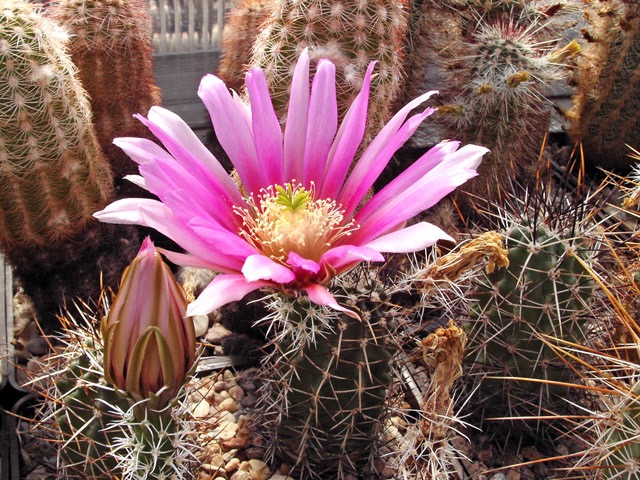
(325, 387)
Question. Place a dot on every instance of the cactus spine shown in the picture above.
(349, 33)
(53, 176)
(606, 117)
(325, 386)
(110, 43)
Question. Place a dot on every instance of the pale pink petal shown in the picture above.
(397, 202)
(295, 133)
(347, 140)
(222, 290)
(320, 295)
(266, 128)
(377, 155)
(154, 214)
(410, 239)
(302, 264)
(322, 124)
(349, 255)
(188, 260)
(234, 132)
(259, 267)
(189, 151)
(137, 180)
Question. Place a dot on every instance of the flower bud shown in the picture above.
(149, 344)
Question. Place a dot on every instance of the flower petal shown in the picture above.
(233, 130)
(266, 128)
(260, 267)
(410, 239)
(377, 155)
(322, 124)
(347, 140)
(320, 295)
(295, 133)
(302, 264)
(222, 290)
(346, 256)
(400, 201)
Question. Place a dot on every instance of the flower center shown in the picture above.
(288, 219)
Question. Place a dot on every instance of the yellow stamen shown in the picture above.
(288, 219)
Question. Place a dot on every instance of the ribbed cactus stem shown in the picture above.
(606, 115)
(53, 175)
(326, 395)
(110, 43)
(350, 33)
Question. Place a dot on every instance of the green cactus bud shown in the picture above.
(149, 343)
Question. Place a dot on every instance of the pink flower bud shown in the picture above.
(149, 343)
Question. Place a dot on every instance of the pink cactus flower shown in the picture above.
(299, 216)
(149, 343)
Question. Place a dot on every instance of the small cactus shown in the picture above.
(351, 35)
(325, 385)
(605, 118)
(110, 43)
(520, 310)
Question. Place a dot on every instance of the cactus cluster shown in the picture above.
(605, 116)
(105, 35)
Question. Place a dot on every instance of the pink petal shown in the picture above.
(156, 215)
(266, 128)
(322, 124)
(295, 133)
(189, 260)
(302, 264)
(349, 255)
(222, 290)
(377, 155)
(398, 202)
(187, 149)
(259, 267)
(347, 140)
(320, 295)
(233, 130)
(410, 239)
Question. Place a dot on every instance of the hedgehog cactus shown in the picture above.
(605, 118)
(110, 43)
(349, 33)
(53, 176)
(496, 79)
(326, 384)
(540, 296)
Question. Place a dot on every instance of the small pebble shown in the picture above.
(38, 346)
(229, 405)
(201, 410)
(200, 325)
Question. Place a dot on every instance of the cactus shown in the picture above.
(605, 117)
(325, 385)
(520, 311)
(241, 28)
(110, 43)
(53, 174)
(351, 35)
(497, 74)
